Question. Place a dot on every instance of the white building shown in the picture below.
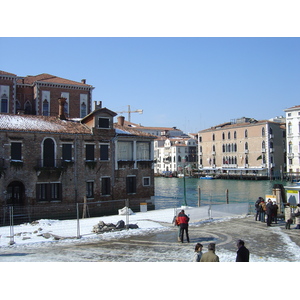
(174, 155)
(293, 139)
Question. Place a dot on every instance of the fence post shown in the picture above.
(199, 195)
(127, 213)
(227, 198)
(78, 225)
(11, 225)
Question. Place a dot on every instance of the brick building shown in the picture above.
(37, 95)
(50, 163)
(244, 147)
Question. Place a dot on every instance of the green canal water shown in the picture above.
(169, 192)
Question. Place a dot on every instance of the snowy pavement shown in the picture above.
(154, 241)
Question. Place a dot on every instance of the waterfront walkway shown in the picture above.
(266, 244)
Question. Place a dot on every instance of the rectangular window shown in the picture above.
(131, 184)
(125, 151)
(143, 150)
(49, 191)
(146, 181)
(104, 155)
(105, 186)
(89, 152)
(16, 151)
(90, 189)
(103, 122)
(67, 152)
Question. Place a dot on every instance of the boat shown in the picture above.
(207, 177)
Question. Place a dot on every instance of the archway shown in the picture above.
(16, 193)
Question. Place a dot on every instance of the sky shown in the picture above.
(178, 79)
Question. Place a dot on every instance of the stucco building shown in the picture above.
(293, 140)
(243, 147)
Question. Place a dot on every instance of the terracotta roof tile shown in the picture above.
(48, 78)
(6, 73)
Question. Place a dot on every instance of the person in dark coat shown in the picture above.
(243, 254)
(257, 208)
(183, 220)
(269, 212)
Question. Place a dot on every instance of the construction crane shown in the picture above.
(140, 111)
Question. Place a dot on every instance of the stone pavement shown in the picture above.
(273, 243)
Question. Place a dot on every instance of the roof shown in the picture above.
(225, 126)
(293, 107)
(48, 78)
(139, 126)
(30, 123)
(123, 130)
(6, 73)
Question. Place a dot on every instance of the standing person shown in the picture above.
(257, 208)
(275, 211)
(210, 256)
(269, 212)
(176, 223)
(184, 225)
(288, 216)
(243, 254)
(262, 210)
(198, 252)
(297, 216)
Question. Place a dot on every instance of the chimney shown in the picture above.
(61, 108)
(83, 81)
(121, 120)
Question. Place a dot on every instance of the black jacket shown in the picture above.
(242, 254)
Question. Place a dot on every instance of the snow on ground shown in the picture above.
(33, 234)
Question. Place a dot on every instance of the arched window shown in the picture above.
(246, 133)
(223, 136)
(263, 131)
(4, 103)
(289, 128)
(229, 135)
(290, 147)
(213, 137)
(48, 153)
(246, 146)
(223, 148)
(83, 111)
(263, 145)
(28, 108)
(234, 135)
(45, 108)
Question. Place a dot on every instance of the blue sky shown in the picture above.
(191, 83)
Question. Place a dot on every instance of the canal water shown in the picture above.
(169, 192)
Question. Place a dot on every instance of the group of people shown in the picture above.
(182, 220)
(264, 209)
(242, 255)
(270, 210)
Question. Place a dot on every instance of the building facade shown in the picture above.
(174, 156)
(51, 163)
(293, 140)
(37, 95)
(245, 147)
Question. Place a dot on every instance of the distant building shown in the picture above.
(48, 164)
(293, 140)
(174, 151)
(175, 156)
(37, 95)
(243, 147)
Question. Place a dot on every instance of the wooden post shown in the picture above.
(199, 195)
(227, 199)
(84, 208)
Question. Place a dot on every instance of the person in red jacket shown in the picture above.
(183, 220)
